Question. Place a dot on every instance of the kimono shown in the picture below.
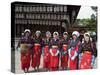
(54, 55)
(46, 57)
(25, 45)
(73, 54)
(36, 52)
(64, 53)
(87, 52)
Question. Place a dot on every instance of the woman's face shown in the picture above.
(37, 35)
(74, 36)
(27, 34)
(55, 36)
(86, 37)
(47, 35)
(65, 36)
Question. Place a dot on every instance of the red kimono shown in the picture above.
(25, 60)
(64, 53)
(64, 58)
(54, 60)
(25, 56)
(86, 59)
(46, 58)
(36, 56)
(36, 53)
(54, 55)
(72, 62)
(74, 48)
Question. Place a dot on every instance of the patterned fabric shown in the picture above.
(36, 55)
(54, 55)
(85, 62)
(87, 46)
(73, 53)
(26, 40)
(86, 59)
(25, 56)
(55, 42)
(47, 42)
(46, 57)
(25, 60)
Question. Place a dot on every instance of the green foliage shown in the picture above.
(90, 23)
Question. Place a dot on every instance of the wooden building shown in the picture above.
(43, 17)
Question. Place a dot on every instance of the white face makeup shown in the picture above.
(27, 34)
(55, 36)
(37, 35)
(86, 38)
(65, 36)
(48, 36)
(74, 37)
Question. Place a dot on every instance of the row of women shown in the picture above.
(57, 53)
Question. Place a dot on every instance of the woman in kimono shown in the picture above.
(25, 45)
(36, 53)
(46, 57)
(54, 52)
(74, 50)
(87, 52)
(64, 51)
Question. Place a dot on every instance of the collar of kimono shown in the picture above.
(55, 39)
(26, 37)
(74, 42)
(65, 38)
